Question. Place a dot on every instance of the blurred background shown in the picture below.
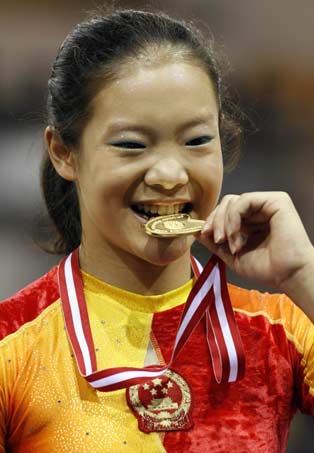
(270, 48)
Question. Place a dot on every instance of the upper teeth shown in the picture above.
(162, 210)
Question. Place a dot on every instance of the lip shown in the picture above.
(164, 202)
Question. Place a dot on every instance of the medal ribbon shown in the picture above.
(208, 295)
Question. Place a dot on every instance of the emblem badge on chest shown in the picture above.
(162, 404)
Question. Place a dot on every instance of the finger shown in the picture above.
(255, 207)
(248, 208)
(248, 238)
(230, 220)
(236, 233)
(240, 227)
(219, 219)
(233, 219)
(221, 250)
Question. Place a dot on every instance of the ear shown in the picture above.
(62, 158)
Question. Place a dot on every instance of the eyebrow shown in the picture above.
(121, 125)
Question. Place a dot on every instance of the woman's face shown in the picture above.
(152, 144)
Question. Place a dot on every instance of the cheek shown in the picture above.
(105, 183)
(210, 181)
(98, 195)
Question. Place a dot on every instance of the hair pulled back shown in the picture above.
(94, 52)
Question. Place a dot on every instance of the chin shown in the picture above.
(165, 251)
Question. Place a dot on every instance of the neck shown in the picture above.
(132, 273)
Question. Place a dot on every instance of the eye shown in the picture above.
(199, 140)
(128, 145)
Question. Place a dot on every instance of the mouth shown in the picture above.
(147, 211)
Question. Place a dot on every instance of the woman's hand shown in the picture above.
(259, 235)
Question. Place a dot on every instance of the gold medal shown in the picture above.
(173, 225)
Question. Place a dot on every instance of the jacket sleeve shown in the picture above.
(300, 333)
(12, 354)
(6, 365)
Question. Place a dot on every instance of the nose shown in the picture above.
(167, 173)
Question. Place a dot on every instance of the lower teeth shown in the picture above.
(149, 215)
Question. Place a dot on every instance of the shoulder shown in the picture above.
(277, 311)
(274, 306)
(28, 303)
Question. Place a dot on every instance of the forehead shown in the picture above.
(178, 89)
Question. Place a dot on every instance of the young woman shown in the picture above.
(91, 356)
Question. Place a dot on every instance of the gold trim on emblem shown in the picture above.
(168, 406)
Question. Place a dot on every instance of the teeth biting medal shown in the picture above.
(173, 225)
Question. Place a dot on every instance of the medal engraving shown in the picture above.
(173, 225)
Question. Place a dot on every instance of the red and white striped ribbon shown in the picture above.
(209, 295)
(223, 337)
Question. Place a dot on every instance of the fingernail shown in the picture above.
(238, 241)
(232, 247)
(205, 227)
(218, 236)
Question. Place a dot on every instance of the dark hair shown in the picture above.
(92, 54)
